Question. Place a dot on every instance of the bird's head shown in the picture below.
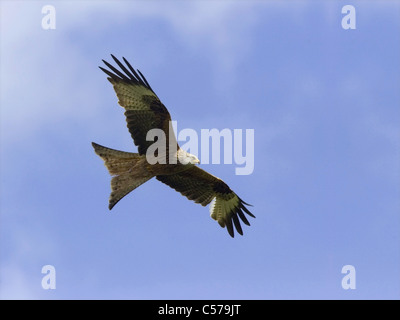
(187, 158)
(193, 159)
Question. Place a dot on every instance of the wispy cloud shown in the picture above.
(40, 86)
(14, 283)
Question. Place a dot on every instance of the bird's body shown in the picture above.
(170, 165)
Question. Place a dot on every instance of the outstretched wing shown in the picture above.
(202, 187)
(143, 109)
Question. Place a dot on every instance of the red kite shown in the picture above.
(144, 111)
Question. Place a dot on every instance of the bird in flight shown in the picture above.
(175, 167)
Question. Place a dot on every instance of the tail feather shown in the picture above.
(128, 171)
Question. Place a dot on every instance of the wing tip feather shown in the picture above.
(228, 214)
(130, 76)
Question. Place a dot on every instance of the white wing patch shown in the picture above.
(130, 96)
(220, 209)
(227, 213)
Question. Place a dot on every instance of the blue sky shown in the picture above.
(324, 104)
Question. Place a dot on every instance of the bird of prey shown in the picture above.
(144, 111)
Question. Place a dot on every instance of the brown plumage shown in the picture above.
(144, 111)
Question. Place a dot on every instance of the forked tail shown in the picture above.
(128, 171)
